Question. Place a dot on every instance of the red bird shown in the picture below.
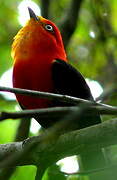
(40, 63)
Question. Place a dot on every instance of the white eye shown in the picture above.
(48, 27)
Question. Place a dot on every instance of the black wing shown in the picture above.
(67, 80)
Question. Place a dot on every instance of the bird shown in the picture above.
(41, 64)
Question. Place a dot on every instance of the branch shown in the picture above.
(46, 95)
(69, 23)
(76, 142)
(51, 96)
(57, 112)
(23, 129)
(45, 4)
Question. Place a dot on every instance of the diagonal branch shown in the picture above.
(76, 142)
(51, 96)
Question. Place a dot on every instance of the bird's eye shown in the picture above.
(48, 27)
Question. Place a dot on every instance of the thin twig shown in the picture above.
(51, 96)
(57, 112)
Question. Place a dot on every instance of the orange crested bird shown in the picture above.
(40, 63)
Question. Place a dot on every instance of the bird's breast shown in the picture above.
(33, 75)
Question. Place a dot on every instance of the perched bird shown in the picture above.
(40, 63)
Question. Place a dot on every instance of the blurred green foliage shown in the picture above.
(92, 49)
(24, 173)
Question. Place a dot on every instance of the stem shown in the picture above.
(40, 173)
(51, 96)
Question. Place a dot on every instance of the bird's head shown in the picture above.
(39, 37)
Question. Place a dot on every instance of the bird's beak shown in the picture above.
(32, 14)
